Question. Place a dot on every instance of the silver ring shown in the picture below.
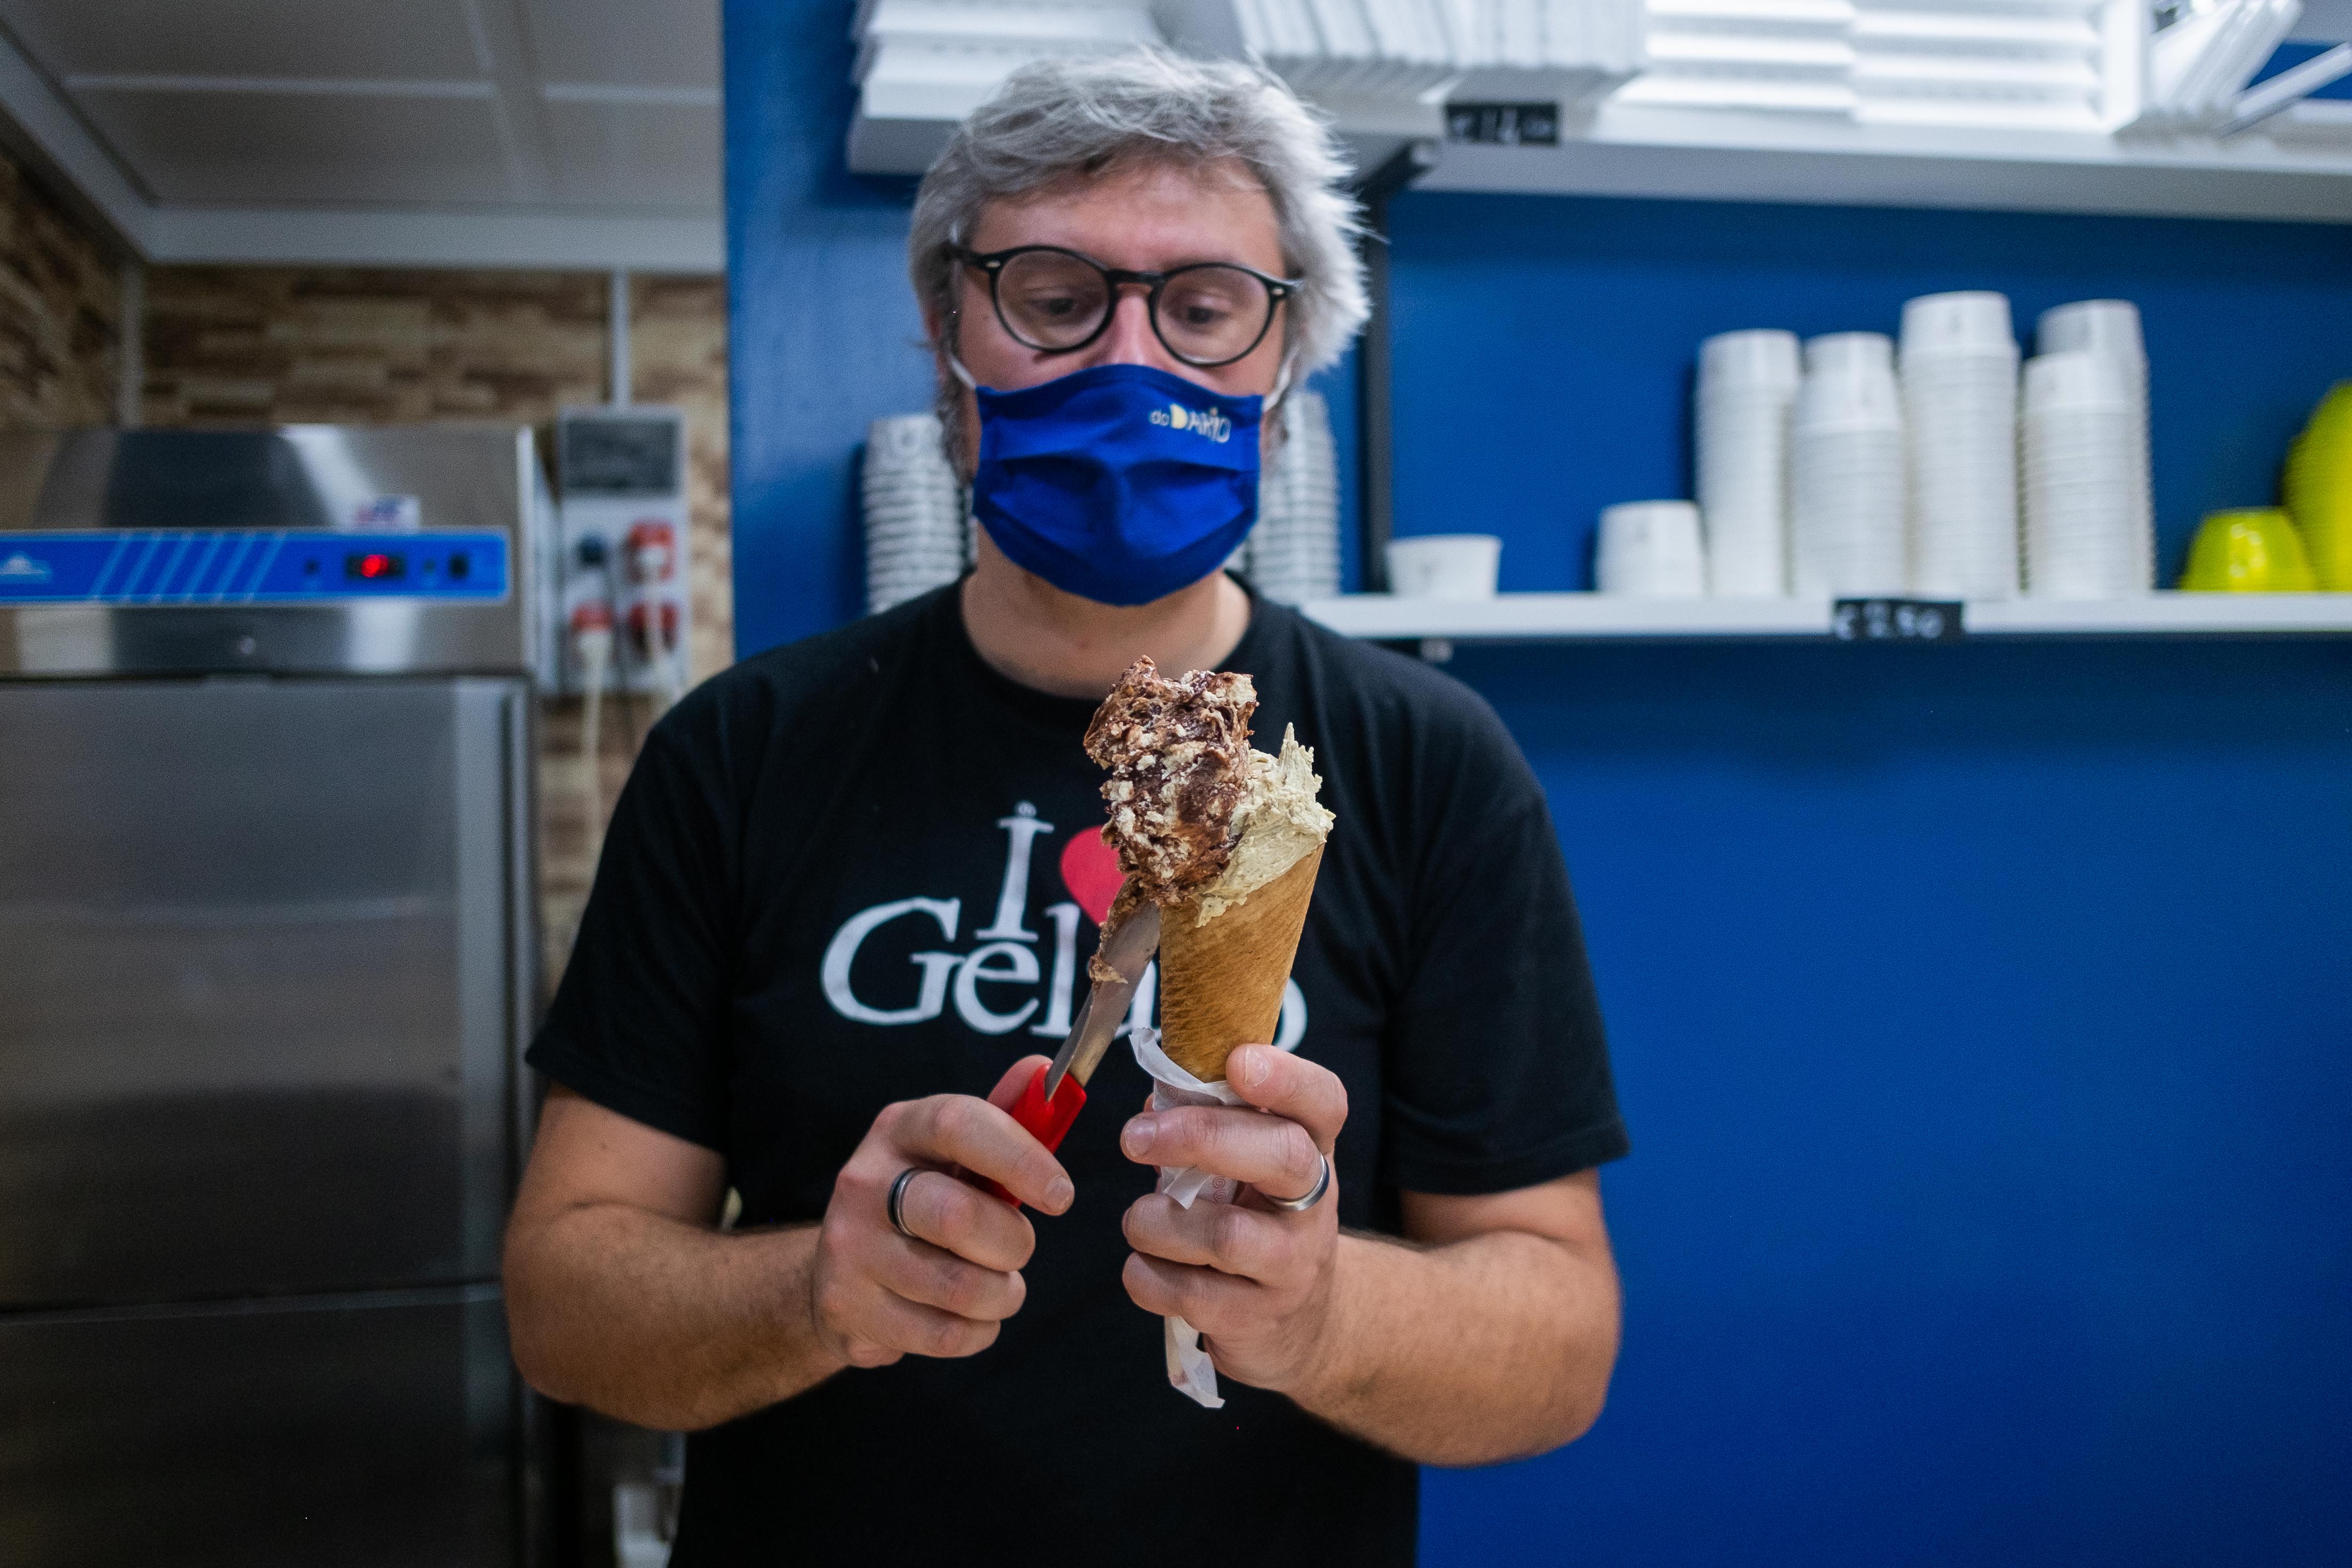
(897, 1204)
(1300, 1206)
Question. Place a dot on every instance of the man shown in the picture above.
(852, 881)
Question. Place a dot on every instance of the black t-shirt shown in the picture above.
(866, 868)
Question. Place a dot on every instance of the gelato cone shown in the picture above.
(1225, 840)
(1221, 979)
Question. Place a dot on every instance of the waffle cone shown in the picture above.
(1221, 980)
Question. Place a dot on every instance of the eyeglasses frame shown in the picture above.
(993, 263)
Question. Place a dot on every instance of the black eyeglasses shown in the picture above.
(1057, 301)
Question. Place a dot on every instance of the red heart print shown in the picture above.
(1090, 870)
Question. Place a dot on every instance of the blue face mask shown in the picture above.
(1119, 483)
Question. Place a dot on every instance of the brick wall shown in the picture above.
(60, 311)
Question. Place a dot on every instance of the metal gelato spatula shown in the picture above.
(1053, 1098)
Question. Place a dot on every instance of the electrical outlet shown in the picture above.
(620, 474)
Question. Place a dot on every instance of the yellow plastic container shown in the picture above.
(2252, 550)
(2319, 488)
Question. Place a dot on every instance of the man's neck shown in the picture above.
(1031, 632)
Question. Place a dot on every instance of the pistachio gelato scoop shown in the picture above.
(1197, 815)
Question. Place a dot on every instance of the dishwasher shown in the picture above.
(267, 968)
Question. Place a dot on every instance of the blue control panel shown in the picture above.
(245, 567)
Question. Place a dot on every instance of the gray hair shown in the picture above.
(1058, 118)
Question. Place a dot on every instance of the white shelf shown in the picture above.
(2165, 615)
(2298, 167)
(2301, 170)
(1815, 102)
(1567, 618)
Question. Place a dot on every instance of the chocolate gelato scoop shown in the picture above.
(1179, 756)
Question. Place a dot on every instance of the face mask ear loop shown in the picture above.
(1281, 383)
(1281, 387)
(948, 347)
(955, 323)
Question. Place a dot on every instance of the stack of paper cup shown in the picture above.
(1846, 470)
(1293, 554)
(2083, 534)
(1747, 386)
(1959, 424)
(917, 537)
(1650, 550)
(2111, 328)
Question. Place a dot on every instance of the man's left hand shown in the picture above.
(1255, 1280)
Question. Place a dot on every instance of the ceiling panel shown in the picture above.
(639, 43)
(305, 38)
(279, 120)
(266, 149)
(661, 156)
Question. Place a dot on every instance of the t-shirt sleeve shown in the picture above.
(638, 1024)
(1497, 1070)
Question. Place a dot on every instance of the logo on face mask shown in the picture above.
(1212, 424)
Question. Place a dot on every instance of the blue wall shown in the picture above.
(1983, 1013)
(1544, 348)
(823, 333)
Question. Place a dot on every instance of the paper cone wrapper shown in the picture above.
(1221, 980)
(1190, 1369)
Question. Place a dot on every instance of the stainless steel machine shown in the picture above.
(266, 972)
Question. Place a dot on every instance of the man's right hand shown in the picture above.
(874, 1295)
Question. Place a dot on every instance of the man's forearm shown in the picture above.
(1489, 1348)
(660, 1322)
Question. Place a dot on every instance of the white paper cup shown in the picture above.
(905, 439)
(1846, 507)
(1857, 398)
(2094, 326)
(1650, 548)
(2111, 328)
(2086, 535)
(2073, 380)
(1971, 320)
(1444, 565)
(1743, 489)
(1762, 356)
(1959, 420)
(1843, 354)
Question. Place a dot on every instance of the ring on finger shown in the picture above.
(896, 1206)
(1314, 1195)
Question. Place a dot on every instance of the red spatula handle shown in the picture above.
(1045, 1119)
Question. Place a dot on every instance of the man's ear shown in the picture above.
(940, 327)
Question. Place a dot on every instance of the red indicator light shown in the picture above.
(376, 567)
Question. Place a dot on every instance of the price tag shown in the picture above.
(1895, 620)
(1504, 124)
